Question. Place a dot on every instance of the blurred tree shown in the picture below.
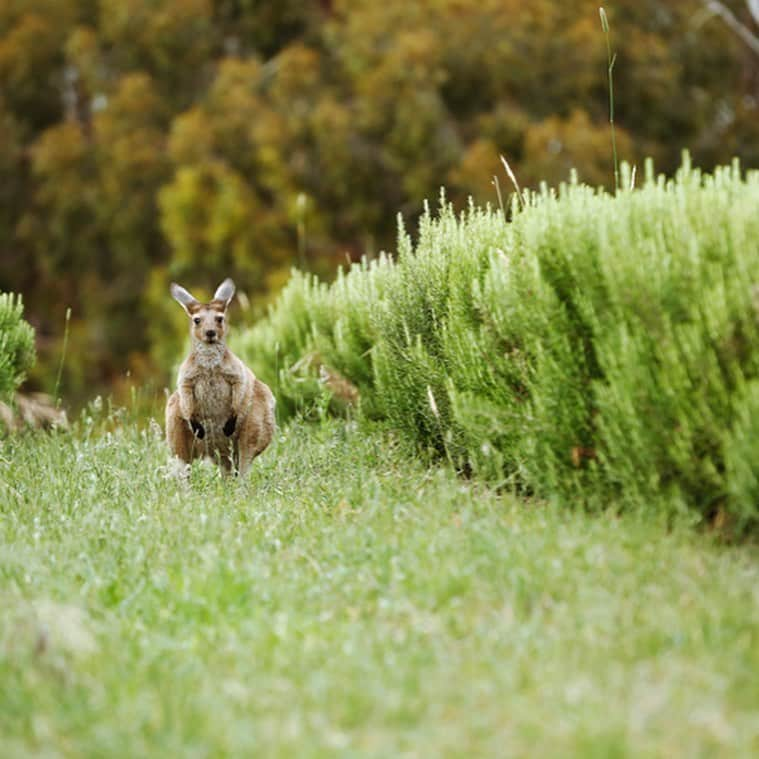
(735, 24)
(173, 40)
(31, 59)
(142, 141)
(567, 143)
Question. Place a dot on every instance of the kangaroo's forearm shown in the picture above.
(238, 393)
(186, 401)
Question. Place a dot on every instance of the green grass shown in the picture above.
(347, 601)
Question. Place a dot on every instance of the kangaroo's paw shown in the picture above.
(230, 425)
(197, 429)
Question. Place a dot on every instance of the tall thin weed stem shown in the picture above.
(63, 358)
(497, 185)
(513, 179)
(301, 207)
(611, 59)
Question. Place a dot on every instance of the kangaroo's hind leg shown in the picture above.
(256, 429)
(252, 441)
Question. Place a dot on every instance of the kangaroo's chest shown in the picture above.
(213, 398)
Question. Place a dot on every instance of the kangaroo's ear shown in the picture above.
(182, 297)
(225, 291)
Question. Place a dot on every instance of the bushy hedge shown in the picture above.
(16, 345)
(602, 350)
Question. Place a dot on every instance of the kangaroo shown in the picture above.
(219, 409)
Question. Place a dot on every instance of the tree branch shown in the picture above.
(721, 10)
(753, 6)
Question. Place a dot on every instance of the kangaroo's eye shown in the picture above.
(197, 320)
(219, 319)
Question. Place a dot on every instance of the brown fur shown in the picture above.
(220, 409)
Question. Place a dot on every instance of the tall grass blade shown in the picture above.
(63, 358)
(611, 59)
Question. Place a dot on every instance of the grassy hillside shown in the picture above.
(594, 350)
(348, 601)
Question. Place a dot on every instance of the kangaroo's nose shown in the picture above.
(210, 333)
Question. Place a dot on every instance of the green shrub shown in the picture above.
(312, 324)
(16, 345)
(597, 349)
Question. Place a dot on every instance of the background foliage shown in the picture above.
(142, 141)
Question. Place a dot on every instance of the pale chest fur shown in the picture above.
(213, 397)
(212, 392)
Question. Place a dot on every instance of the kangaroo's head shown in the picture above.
(208, 321)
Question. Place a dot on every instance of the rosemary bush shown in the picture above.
(16, 345)
(596, 349)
